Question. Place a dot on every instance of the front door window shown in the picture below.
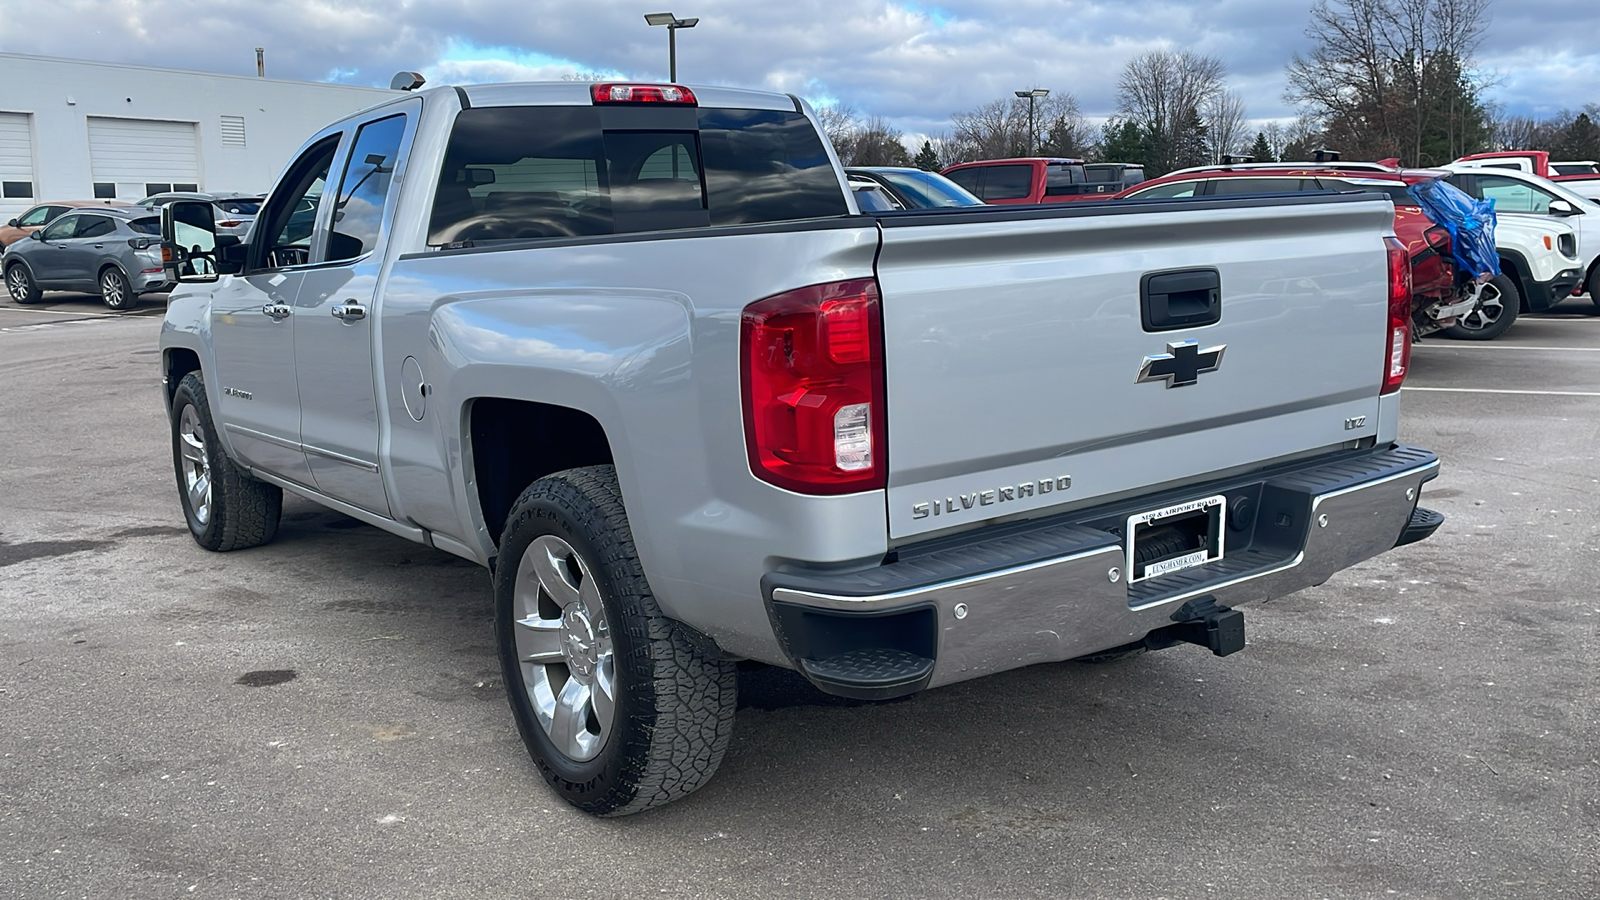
(290, 217)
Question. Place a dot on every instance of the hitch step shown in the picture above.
(1201, 621)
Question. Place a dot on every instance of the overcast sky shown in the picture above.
(913, 62)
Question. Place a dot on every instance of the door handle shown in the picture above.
(350, 311)
(277, 311)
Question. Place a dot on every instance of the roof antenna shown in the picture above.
(407, 81)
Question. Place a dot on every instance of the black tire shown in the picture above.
(1497, 310)
(1593, 287)
(116, 291)
(674, 701)
(242, 512)
(20, 284)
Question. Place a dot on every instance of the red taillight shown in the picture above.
(643, 93)
(1397, 346)
(228, 224)
(813, 388)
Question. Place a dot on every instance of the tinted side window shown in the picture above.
(1233, 186)
(60, 229)
(968, 178)
(148, 225)
(1063, 180)
(1007, 182)
(1168, 191)
(365, 188)
(94, 226)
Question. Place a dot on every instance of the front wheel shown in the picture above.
(1593, 288)
(116, 291)
(226, 509)
(21, 285)
(1497, 308)
(619, 707)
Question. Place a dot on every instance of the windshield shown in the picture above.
(927, 190)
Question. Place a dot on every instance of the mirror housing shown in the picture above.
(12, 223)
(189, 241)
(1563, 208)
(36, 235)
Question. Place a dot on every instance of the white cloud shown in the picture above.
(913, 62)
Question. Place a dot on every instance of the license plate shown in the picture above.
(1175, 538)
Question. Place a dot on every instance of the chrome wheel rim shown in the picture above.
(564, 648)
(1491, 305)
(17, 281)
(195, 465)
(111, 289)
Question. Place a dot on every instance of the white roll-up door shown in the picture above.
(17, 186)
(143, 156)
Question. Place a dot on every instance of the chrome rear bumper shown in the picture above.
(1057, 590)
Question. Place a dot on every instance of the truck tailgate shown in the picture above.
(1014, 342)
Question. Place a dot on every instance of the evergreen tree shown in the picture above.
(1579, 140)
(927, 160)
(1122, 141)
(1262, 150)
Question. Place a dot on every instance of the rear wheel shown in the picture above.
(21, 284)
(620, 708)
(1497, 308)
(1594, 288)
(116, 291)
(226, 509)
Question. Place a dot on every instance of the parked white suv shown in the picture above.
(1519, 194)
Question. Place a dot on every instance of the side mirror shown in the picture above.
(1563, 208)
(36, 235)
(12, 223)
(189, 241)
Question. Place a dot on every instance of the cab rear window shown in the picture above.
(519, 173)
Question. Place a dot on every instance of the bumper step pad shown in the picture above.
(872, 673)
(1424, 522)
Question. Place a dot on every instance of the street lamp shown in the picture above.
(1033, 131)
(673, 23)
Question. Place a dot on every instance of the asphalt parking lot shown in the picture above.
(324, 717)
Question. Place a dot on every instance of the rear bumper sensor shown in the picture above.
(1049, 590)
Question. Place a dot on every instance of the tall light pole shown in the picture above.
(1033, 131)
(673, 23)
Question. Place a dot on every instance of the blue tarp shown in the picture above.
(1470, 223)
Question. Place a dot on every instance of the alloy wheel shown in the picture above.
(17, 283)
(563, 640)
(1491, 306)
(196, 464)
(111, 289)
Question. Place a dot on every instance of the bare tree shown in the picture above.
(877, 143)
(1001, 128)
(1391, 77)
(840, 124)
(1223, 114)
(1163, 92)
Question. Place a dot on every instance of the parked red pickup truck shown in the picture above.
(1029, 180)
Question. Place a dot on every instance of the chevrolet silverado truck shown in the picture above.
(634, 349)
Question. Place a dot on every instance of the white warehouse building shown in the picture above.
(78, 130)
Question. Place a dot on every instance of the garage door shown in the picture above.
(134, 158)
(16, 164)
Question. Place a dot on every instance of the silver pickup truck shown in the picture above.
(635, 349)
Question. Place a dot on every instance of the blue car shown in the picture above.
(113, 252)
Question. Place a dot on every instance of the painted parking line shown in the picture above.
(1504, 347)
(1451, 390)
(59, 312)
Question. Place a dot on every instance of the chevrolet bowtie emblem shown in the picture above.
(1181, 365)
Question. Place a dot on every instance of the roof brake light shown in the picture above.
(643, 93)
